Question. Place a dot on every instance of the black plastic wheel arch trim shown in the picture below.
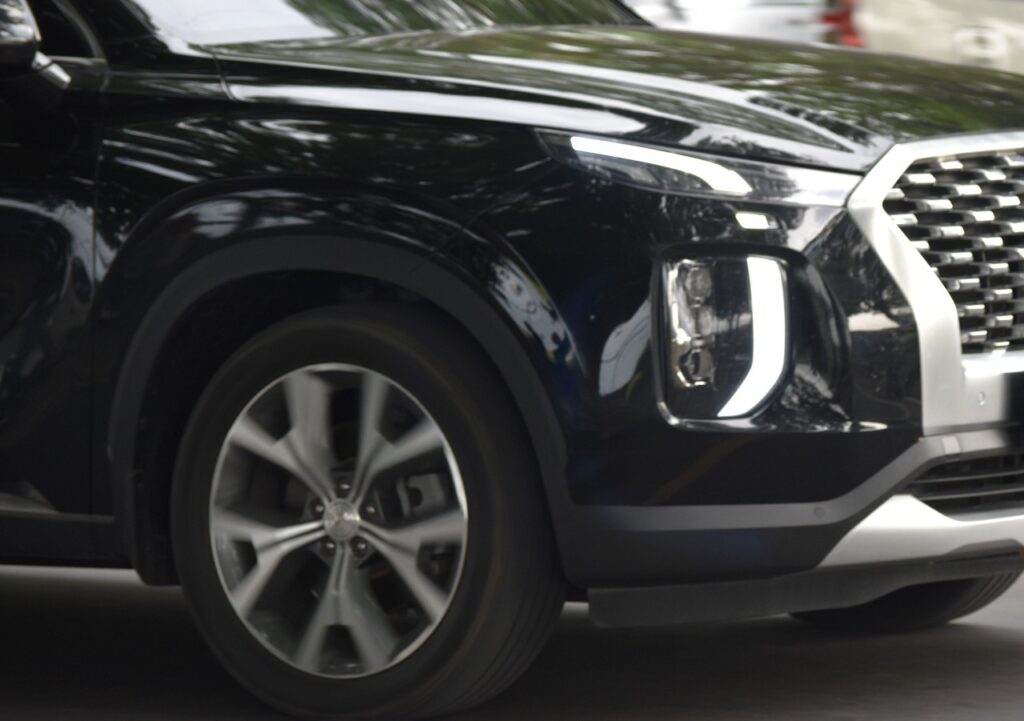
(332, 254)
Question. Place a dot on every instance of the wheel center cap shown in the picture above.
(341, 520)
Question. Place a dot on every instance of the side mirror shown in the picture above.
(19, 37)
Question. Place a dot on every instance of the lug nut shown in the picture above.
(344, 480)
(318, 508)
(361, 546)
(330, 546)
(371, 510)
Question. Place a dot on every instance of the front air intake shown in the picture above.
(991, 483)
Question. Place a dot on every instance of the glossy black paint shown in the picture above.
(806, 105)
(47, 216)
(600, 284)
(178, 199)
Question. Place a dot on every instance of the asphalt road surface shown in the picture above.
(91, 645)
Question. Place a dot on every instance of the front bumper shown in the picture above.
(629, 546)
(970, 407)
(761, 560)
(864, 407)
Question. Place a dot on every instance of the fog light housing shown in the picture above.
(728, 335)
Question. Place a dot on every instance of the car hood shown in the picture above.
(811, 105)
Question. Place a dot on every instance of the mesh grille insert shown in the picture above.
(992, 483)
(965, 214)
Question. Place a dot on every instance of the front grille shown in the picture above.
(993, 483)
(965, 213)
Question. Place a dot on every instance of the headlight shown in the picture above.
(724, 326)
(699, 174)
(727, 338)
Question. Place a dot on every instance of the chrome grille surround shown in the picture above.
(965, 215)
(959, 389)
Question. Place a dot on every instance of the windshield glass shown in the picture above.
(235, 21)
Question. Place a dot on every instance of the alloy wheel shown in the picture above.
(338, 520)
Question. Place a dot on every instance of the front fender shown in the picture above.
(481, 303)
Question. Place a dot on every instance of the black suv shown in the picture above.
(382, 326)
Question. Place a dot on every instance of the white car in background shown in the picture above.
(790, 20)
(988, 33)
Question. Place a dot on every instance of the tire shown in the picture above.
(297, 645)
(915, 608)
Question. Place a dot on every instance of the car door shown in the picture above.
(49, 130)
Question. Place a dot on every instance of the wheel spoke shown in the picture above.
(311, 646)
(248, 434)
(347, 601)
(371, 631)
(324, 616)
(421, 441)
(372, 405)
(238, 527)
(271, 545)
(308, 398)
(262, 536)
(403, 560)
(445, 528)
(285, 453)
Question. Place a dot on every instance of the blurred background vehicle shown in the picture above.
(790, 20)
(983, 33)
(986, 33)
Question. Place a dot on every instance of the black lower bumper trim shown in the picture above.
(625, 546)
(807, 591)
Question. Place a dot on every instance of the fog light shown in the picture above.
(728, 335)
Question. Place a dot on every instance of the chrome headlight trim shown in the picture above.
(957, 391)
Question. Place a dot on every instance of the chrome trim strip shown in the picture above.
(905, 529)
(957, 392)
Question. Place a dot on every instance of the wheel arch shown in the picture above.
(440, 287)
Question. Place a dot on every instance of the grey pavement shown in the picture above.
(90, 645)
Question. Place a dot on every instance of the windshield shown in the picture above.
(234, 21)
